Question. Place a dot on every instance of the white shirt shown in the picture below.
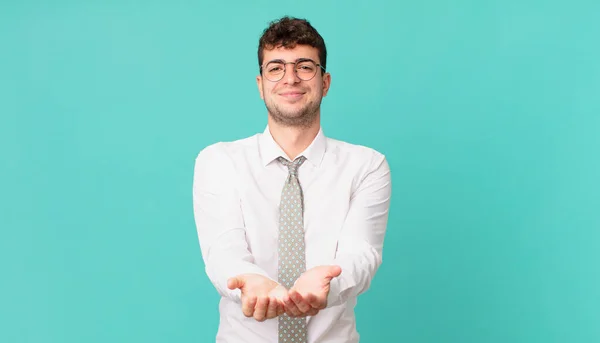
(236, 193)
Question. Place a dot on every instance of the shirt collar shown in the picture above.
(270, 150)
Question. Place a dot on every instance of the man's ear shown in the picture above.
(326, 83)
(259, 85)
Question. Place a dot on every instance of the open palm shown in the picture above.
(261, 296)
(309, 293)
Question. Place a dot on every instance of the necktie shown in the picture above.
(291, 247)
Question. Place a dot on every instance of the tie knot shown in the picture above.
(292, 166)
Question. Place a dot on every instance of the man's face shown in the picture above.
(292, 101)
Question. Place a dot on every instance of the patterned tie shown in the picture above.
(291, 248)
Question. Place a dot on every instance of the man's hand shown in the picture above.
(309, 294)
(261, 296)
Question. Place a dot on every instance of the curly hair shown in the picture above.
(289, 32)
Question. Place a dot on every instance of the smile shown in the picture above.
(292, 95)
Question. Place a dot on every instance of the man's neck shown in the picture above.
(294, 140)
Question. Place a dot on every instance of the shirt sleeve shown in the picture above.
(219, 220)
(360, 245)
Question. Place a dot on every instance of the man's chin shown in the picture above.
(288, 117)
(291, 115)
(291, 119)
(288, 113)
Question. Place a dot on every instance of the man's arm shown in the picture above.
(360, 246)
(219, 221)
(359, 252)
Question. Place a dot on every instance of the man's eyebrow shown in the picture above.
(304, 59)
(276, 61)
(301, 59)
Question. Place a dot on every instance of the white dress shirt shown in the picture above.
(236, 192)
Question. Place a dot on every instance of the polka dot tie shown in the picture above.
(291, 248)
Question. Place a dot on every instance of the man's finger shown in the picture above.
(334, 271)
(272, 308)
(300, 302)
(260, 311)
(235, 282)
(280, 309)
(290, 307)
(248, 304)
(312, 312)
(313, 301)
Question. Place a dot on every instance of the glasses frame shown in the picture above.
(295, 63)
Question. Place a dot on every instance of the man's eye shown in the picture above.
(305, 67)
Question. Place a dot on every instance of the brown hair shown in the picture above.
(289, 32)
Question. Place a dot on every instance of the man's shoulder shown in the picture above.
(357, 151)
(360, 161)
(227, 149)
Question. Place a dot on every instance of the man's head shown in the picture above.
(292, 81)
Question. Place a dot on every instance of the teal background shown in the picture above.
(488, 112)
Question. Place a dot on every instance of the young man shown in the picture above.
(291, 223)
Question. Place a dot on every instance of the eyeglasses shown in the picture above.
(304, 68)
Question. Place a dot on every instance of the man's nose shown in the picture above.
(290, 76)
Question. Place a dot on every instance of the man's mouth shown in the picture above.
(292, 94)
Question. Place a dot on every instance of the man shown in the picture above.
(291, 223)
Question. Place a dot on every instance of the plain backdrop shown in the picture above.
(488, 112)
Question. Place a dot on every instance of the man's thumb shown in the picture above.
(235, 282)
(334, 271)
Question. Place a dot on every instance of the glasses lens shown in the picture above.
(306, 70)
(274, 71)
